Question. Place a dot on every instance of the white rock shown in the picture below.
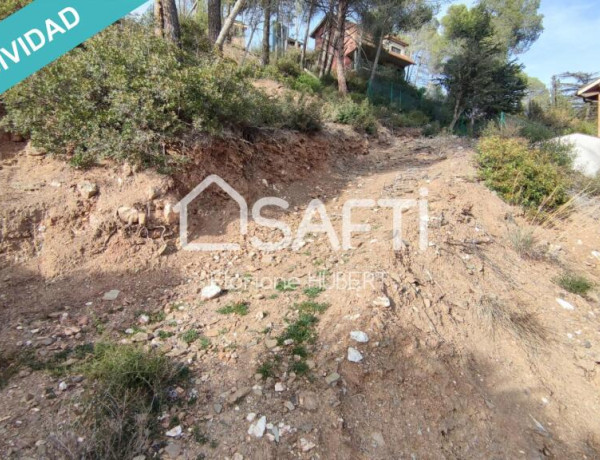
(359, 336)
(210, 292)
(258, 428)
(566, 305)
(596, 254)
(62, 386)
(111, 295)
(354, 355)
(144, 319)
(251, 416)
(279, 387)
(174, 432)
(382, 301)
(306, 445)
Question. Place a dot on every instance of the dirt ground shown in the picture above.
(474, 357)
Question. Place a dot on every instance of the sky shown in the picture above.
(569, 42)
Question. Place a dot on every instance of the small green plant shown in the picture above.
(576, 284)
(164, 335)
(190, 336)
(286, 285)
(130, 388)
(313, 291)
(524, 242)
(199, 436)
(300, 367)
(311, 306)
(204, 342)
(267, 369)
(300, 331)
(239, 308)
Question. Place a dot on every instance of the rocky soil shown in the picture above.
(467, 349)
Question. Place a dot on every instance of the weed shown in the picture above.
(199, 436)
(190, 336)
(311, 306)
(267, 369)
(300, 350)
(301, 330)
(286, 285)
(130, 388)
(273, 296)
(300, 367)
(239, 308)
(524, 242)
(204, 342)
(164, 335)
(524, 326)
(313, 291)
(576, 284)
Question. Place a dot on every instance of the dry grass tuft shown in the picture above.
(525, 327)
(525, 243)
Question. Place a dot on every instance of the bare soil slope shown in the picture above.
(473, 358)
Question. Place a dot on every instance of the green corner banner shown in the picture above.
(44, 30)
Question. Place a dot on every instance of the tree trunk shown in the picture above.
(214, 19)
(341, 46)
(311, 10)
(159, 19)
(266, 47)
(172, 30)
(376, 62)
(247, 50)
(331, 56)
(239, 4)
(324, 53)
(456, 116)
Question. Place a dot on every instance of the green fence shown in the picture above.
(402, 97)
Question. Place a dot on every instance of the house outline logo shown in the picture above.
(182, 209)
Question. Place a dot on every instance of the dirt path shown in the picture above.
(473, 357)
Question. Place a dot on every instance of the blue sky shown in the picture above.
(570, 41)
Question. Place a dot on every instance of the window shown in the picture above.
(396, 50)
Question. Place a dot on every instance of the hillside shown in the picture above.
(469, 352)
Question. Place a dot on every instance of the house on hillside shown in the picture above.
(591, 93)
(360, 48)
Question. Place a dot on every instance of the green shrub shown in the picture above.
(575, 284)
(535, 131)
(521, 174)
(302, 115)
(8, 7)
(431, 129)
(289, 65)
(127, 95)
(131, 388)
(360, 116)
(308, 84)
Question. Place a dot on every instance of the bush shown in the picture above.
(126, 95)
(307, 84)
(289, 65)
(301, 115)
(131, 388)
(536, 132)
(521, 174)
(574, 283)
(431, 129)
(8, 7)
(360, 116)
